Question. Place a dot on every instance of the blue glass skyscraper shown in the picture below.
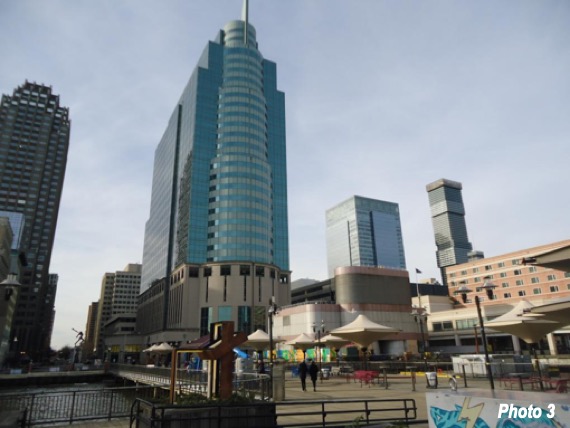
(219, 191)
(364, 232)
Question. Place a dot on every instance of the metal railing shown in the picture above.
(75, 405)
(251, 385)
(72, 405)
(287, 414)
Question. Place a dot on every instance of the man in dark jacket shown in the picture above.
(313, 371)
(303, 374)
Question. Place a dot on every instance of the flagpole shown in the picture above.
(418, 290)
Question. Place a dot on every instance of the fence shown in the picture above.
(76, 405)
(108, 403)
(287, 414)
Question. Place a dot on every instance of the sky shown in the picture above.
(382, 98)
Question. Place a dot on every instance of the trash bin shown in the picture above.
(326, 373)
(431, 379)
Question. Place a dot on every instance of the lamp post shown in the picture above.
(271, 311)
(420, 316)
(488, 287)
(319, 332)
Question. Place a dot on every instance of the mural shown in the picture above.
(504, 410)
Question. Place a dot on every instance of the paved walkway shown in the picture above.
(331, 389)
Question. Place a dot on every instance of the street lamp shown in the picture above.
(319, 332)
(488, 287)
(420, 316)
(271, 312)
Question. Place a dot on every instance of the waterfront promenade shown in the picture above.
(336, 388)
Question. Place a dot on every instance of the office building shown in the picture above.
(219, 191)
(34, 140)
(89, 349)
(364, 232)
(448, 219)
(515, 280)
(119, 294)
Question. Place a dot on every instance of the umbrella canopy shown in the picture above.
(163, 347)
(363, 331)
(334, 342)
(517, 322)
(150, 349)
(557, 310)
(259, 340)
(303, 342)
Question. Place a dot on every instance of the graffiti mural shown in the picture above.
(501, 409)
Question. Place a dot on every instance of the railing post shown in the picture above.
(72, 408)
(31, 409)
(323, 414)
(111, 406)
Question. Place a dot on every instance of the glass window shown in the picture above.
(224, 313)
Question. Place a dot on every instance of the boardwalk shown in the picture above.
(331, 389)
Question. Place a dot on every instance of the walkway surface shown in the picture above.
(338, 388)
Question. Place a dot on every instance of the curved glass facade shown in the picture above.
(219, 183)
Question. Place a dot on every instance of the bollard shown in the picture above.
(413, 380)
(464, 376)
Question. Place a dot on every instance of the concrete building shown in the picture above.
(89, 348)
(218, 214)
(34, 140)
(119, 296)
(382, 294)
(364, 232)
(452, 324)
(448, 219)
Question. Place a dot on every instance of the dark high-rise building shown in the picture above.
(34, 140)
(448, 219)
(219, 191)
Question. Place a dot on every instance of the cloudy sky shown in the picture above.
(382, 98)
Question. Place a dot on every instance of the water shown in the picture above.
(66, 403)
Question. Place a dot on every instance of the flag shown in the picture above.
(418, 271)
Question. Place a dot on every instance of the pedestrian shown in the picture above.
(313, 371)
(303, 369)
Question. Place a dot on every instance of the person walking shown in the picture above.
(303, 369)
(313, 371)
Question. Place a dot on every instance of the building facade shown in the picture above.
(119, 296)
(219, 192)
(448, 220)
(89, 348)
(34, 141)
(364, 232)
(514, 280)
(381, 294)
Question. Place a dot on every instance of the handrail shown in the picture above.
(75, 405)
(324, 413)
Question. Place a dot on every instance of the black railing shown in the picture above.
(75, 405)
(286, 414)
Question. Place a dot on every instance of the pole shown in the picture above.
(487, 362)
(423, 342)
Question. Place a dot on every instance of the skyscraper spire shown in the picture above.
(245, 19)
